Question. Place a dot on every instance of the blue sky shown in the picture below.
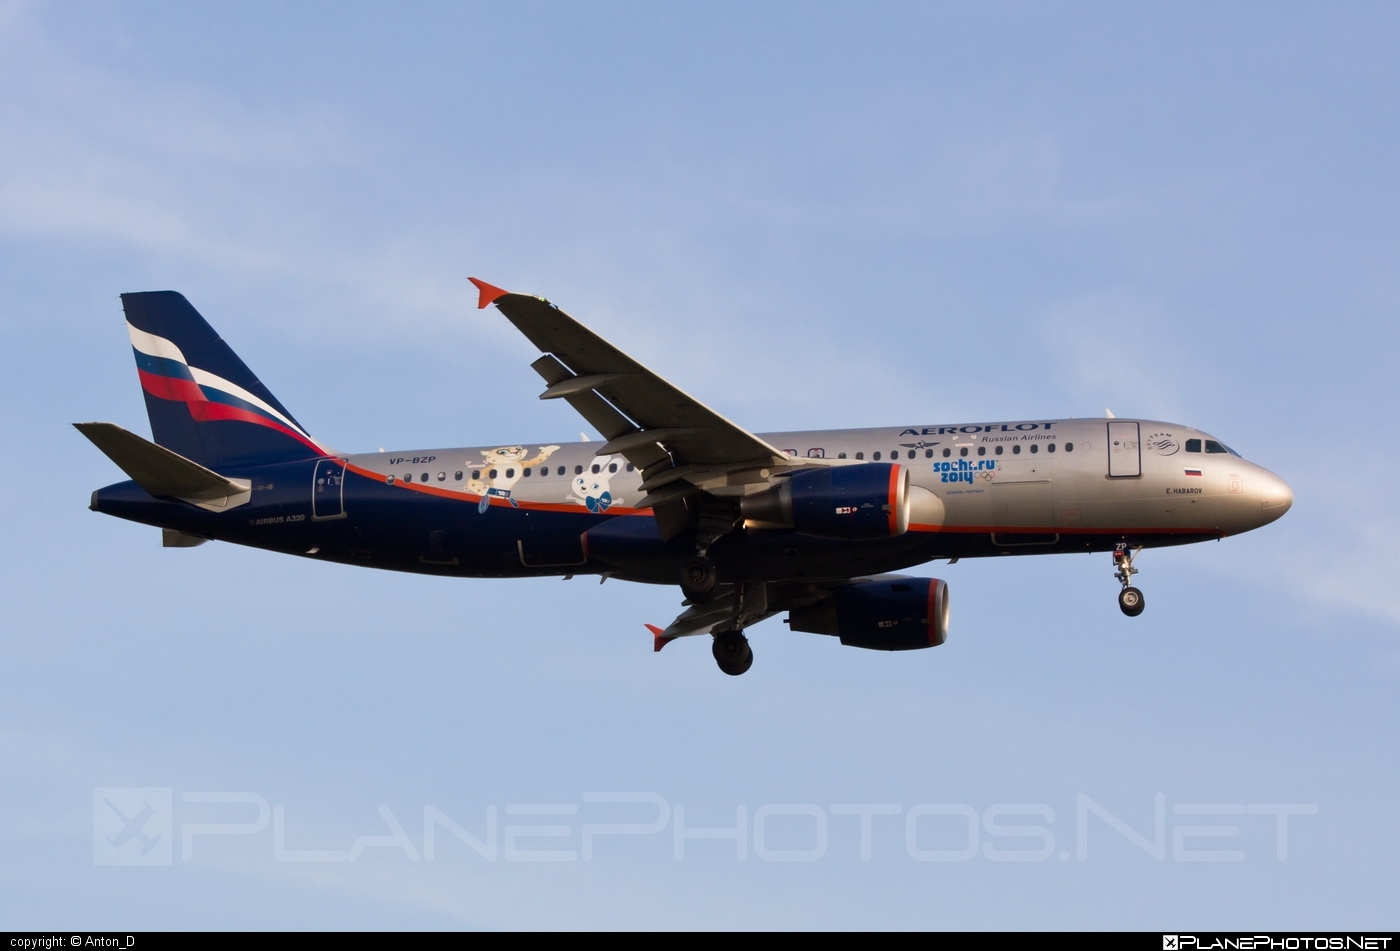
(808, 215)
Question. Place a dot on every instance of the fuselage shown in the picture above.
(1022, 487)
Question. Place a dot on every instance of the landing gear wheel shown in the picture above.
(732, 652)
(1131, 601)
(698, 580)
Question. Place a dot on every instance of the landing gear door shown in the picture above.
(328, 490)
(1124, 450)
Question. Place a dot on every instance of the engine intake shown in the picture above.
(891, 614)
(870, 500)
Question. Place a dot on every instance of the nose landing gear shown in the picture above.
(1130, 599)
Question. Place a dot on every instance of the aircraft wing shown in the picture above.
(677, 442)
(712, 616)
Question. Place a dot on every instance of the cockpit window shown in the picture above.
(1193, 445)
(1213, 446)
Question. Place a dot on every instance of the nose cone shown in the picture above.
(1275, 497)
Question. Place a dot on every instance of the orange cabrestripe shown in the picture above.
(461, 496)
(1062, 530)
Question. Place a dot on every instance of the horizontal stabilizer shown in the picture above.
(164, 473)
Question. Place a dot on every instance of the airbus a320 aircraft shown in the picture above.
(748, 525)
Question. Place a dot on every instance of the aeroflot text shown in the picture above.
(776, 832)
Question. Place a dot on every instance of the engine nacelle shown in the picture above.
(846, 502)
(891, 614)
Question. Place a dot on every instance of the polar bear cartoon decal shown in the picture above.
(592, 489)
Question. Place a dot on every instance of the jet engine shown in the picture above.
(886, 614)
(846, 502)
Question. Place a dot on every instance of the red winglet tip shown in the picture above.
(657, 642)
(489, 293)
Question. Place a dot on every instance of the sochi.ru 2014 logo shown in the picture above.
(1163, 444)
(965, 470)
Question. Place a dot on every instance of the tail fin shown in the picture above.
(204, 403)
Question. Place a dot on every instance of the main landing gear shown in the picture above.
(698, 580)
(1130, 599)
(732, 652)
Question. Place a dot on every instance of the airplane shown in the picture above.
(814, 524)
(134, 827)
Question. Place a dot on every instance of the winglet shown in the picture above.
(657, 641)
(489, 294)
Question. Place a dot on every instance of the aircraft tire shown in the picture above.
(1131, 602)
(732, 652)
(698, 580)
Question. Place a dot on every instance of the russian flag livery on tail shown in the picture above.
(748, 525)
(204, 403)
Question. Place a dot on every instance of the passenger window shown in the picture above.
(876, 457)
(612, 467)
(630, 467)
(561, 470)
(981, 450)
(510, 473)
(1069, 447)
(1035, 447)
(526, 472)
(457, 475)
(408, 476)
(597, 468)
(578, 470)
(999, 449)
(1050, 448)
(442, 476)
(492, 474)
(476, 473)
(962, 451)
(1016, 450)
(928, 453)
(840, 455)
(423, 478)
(860, 455)
(947, 453)
(1193, 445)
(1213, 446)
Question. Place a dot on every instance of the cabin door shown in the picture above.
(1124, 450)
(328, 489)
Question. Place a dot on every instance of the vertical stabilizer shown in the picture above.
(203, 401)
